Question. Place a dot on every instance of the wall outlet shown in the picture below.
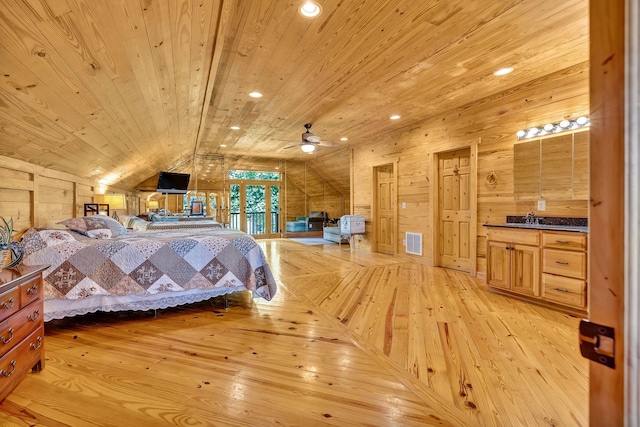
(542, 205)
(404, 205)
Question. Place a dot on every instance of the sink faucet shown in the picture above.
(529, 218)
(532, 219)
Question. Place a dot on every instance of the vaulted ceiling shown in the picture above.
(117, 90)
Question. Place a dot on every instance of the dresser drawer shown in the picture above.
(564, 263)
(9, 303)
(30, 291)
(21, 358)
(16, 328)
(573, 241)
(564, 290)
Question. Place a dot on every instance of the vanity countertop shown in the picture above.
(572, 228)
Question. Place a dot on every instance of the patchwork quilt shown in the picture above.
(148, 263)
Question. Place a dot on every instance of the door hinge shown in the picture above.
(598, 343)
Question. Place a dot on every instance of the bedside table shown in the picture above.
(21, 325)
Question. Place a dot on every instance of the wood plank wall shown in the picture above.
(494, 122)
(35, 196)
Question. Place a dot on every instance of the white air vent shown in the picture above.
(414, 243)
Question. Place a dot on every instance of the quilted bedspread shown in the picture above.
(148, 263)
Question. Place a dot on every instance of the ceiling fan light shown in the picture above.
(308, 148)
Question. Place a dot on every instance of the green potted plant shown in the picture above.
(11, 252)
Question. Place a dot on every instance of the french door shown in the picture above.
(255, 207)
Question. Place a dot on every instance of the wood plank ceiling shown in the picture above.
(117, 90)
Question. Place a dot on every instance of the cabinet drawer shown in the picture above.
(9, 303)
(21, 358)
(564, 263)
(573, 241)
(564, 290)
(30, 291)
(512, 235)
(17, 327)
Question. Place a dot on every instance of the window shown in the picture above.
(254, 175)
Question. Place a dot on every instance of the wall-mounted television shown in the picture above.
(173, 183)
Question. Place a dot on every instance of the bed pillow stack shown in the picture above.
(96, 226)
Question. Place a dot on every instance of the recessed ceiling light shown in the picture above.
(344, 139)
(394, 117)
(223, 145)
(310, 9)
(234, 127)
(503, 71)
(255, 94)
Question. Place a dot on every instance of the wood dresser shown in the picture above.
(21, 325)
(548, 267)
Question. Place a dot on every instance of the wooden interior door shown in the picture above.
(455, 210)
(385, 216)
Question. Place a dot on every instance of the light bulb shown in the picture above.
(308, 148)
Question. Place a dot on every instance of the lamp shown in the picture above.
(308, 148)
(115, 201)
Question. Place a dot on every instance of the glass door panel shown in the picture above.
(274, 191)
(254, 209)
(234, 206)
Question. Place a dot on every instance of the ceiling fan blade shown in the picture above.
(328, 143)
(291, 146)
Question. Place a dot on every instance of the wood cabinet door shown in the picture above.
(525, 269)
(499, 265)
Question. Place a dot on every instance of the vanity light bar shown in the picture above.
(561, 126)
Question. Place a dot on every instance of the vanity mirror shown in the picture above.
(552, 168)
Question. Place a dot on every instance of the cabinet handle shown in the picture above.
(8, 373)
(560, 290)
(7, 341)
(35, 316)
(562, 262)
(564, 242)
(36, 346)
(507, 248)
(33, 290)
(7, 304)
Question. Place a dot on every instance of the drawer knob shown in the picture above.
(7, 341)
(35, 316)
(8, 373)
(562, 262)
(564, 242)
(33, 290)
(560, 290)
(7, 304)
(36, 346)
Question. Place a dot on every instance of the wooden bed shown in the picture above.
(144, 270)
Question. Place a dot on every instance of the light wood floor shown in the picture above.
(350, 339)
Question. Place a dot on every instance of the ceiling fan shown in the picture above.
(310, 141)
